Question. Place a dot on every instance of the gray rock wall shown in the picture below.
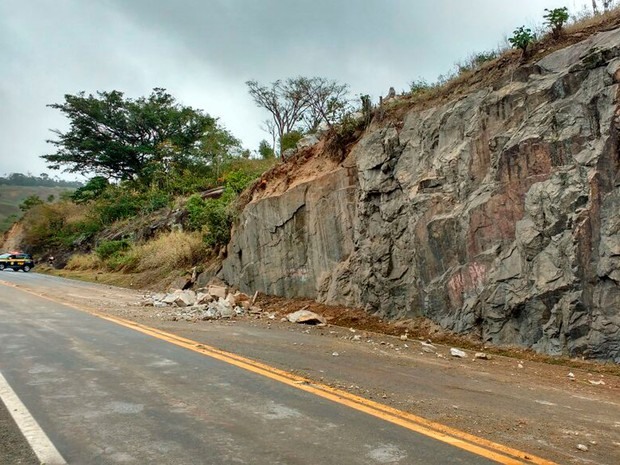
(497, 213)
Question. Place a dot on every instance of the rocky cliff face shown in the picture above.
(497, 213)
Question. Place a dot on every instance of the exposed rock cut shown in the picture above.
(494, 214)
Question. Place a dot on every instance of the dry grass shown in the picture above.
(170, 251)
(82, 262)
(152, 265)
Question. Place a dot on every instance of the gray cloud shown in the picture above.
(203, 51)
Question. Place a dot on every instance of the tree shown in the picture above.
(124, 139)
(328, 102)
(300, 104)
(214, 149)
(555, 19)
(285, 100)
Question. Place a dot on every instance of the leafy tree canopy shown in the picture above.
(140, 139)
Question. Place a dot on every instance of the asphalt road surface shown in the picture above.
(106, 394)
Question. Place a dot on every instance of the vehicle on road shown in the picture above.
(16, 261)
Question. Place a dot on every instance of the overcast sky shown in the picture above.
(203, 52)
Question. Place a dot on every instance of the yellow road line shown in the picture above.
(474, 444)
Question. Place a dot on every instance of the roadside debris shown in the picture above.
(582, 447)
(482, 356)
(457, 353)
(306, 317)
(429, 348)
(210, 303)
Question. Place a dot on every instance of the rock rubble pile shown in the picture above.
(209, 303)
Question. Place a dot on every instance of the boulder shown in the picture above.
(231, 299)
(307, 141)
(217, 291)
(203, 298)
(222, 308)
(306, 317)
(186, 298)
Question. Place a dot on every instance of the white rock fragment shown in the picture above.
(429, 348)
(582, 447)
(482, 356)
(457, 353)
(306, 317)
(599, 382)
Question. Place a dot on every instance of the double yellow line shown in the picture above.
(474, 444)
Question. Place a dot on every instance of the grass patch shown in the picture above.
(82, 262)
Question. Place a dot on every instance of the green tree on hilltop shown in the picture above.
(133, 139)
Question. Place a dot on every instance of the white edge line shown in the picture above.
(45, 451)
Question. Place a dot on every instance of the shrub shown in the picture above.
(195, 207)
(126, 260)
(218, 222)
(419, 86)
(108, 248)
(57, 224)
(556, 19)
(213, 217)
(476, 60)
(93, 189)
(30, 202)
(155, 200)
(522, 37)
(265, 150)
(289, 140)
(43, 224)
(238, 180)
(116, 204)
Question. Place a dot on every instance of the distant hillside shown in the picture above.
(20, 179)
(12, 196)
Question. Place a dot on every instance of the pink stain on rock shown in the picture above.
(466, 281)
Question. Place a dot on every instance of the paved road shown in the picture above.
(107, 394)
